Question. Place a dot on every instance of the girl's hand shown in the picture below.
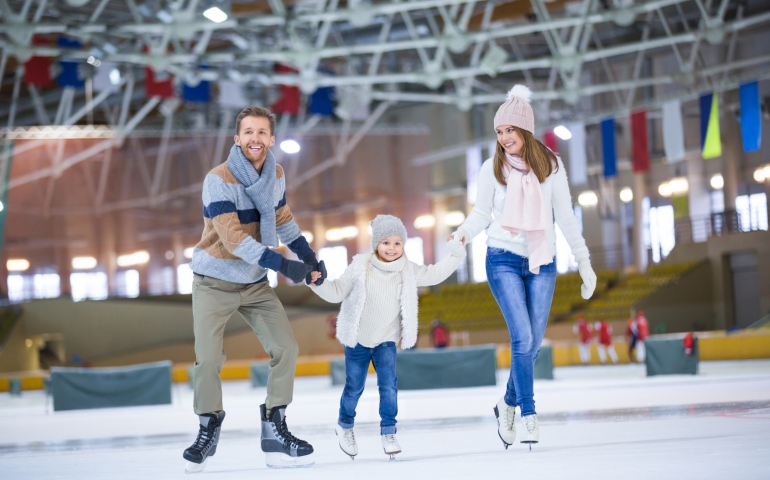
(458, 235)
(315, 276)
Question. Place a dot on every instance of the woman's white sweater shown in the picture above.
(380, 298)
(490, 201)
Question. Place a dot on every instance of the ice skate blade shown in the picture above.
(352, 457)
(195, 467)
(392, 457)
(281, 460)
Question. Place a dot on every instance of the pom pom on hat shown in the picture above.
(521, 91)
(516, 110)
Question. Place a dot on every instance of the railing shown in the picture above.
(611, 257)
(700, 229)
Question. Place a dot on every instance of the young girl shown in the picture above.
(525, 187)
(378, 292)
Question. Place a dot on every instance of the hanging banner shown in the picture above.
(196, 93)
(710, 141)
(288, 103)
(578, 162)
(673, 131)
(158, 85)
(640, 146)
(751, 117)
(106, 77)
(608, 148)
(549, 140)
(231, 95)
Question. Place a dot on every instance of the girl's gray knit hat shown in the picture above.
(384, 226)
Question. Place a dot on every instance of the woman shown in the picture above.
(520, 192)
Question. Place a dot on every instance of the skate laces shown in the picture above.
(510, 415)
(349, 436)
(390, 438)
(203, 437)
(283, 429)
(530, 421)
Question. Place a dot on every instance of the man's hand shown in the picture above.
(311, 260)
(296, 271)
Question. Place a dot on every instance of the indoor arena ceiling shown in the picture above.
(457, 52)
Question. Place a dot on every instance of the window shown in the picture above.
(17, 288)
(565, 260)
(414, 250)
(752, 211)
(335, 259)
(184, 278)
(47, 285)
(479, 257)
(88, 285)
(661, 231)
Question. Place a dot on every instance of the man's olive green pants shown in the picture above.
(214, 301)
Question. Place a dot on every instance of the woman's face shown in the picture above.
(509, 139)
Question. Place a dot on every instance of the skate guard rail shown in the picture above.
(718, 345)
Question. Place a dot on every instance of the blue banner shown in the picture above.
(608, 148)
(751, 117)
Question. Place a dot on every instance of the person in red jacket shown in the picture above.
(439, 334)
(604, 346)
(643, 328)
(582, 330)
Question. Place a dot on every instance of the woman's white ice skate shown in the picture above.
(347, 441)
(390, 445)
(531, 430)
(506, 428)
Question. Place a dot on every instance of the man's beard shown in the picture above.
(250, 156)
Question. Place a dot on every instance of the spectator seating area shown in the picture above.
(472, 306)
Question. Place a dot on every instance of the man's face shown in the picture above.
(254, 138)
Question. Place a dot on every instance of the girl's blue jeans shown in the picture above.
(356, 368)
(525, 301)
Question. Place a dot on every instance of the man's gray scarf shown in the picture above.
(259, 188)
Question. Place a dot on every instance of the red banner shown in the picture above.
(640, 146)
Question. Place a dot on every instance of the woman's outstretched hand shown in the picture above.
(458, 235)
(589, 278)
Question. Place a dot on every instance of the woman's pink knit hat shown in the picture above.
(516, 110)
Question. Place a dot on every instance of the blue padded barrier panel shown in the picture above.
(544, 363)
(337, 370)
(666, 356)
(82, 388)
(447, 367)
(259, 373)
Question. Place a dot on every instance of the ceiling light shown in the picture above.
(679, 186)
(169, 255)
(664, 189)
(626, 195)
(137, 258)
(17, 264)
(2, 207)
(83, 263)
(308, 236)
(762, 173)
(424, 221)
(188, 252)
(562, 132)
(215, 15)
(588, 199)
(717, 182)
(454, 219)
(114, 76)
(290, 146)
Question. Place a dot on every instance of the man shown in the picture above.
(582, 329)
(244, 213)
(604, 345)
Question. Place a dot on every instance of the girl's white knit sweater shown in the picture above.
(490, 201)
(376, 289)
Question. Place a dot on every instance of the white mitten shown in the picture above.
(589, 278)
(456, 248)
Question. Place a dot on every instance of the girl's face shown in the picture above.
(390, 249)
(509, 139)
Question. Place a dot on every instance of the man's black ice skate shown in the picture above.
(282, 449)
(205, 445)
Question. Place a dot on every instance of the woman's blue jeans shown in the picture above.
(383, 356)
(525, 300)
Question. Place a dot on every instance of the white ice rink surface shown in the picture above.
(595, 423)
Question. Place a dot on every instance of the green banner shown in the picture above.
(6, 158)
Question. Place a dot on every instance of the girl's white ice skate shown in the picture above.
(531, 432)
(506, 428)
(347, 441)
(390, 445)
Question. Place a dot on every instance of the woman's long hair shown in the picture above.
(540, 158)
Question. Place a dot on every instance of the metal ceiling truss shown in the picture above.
(456, 52)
